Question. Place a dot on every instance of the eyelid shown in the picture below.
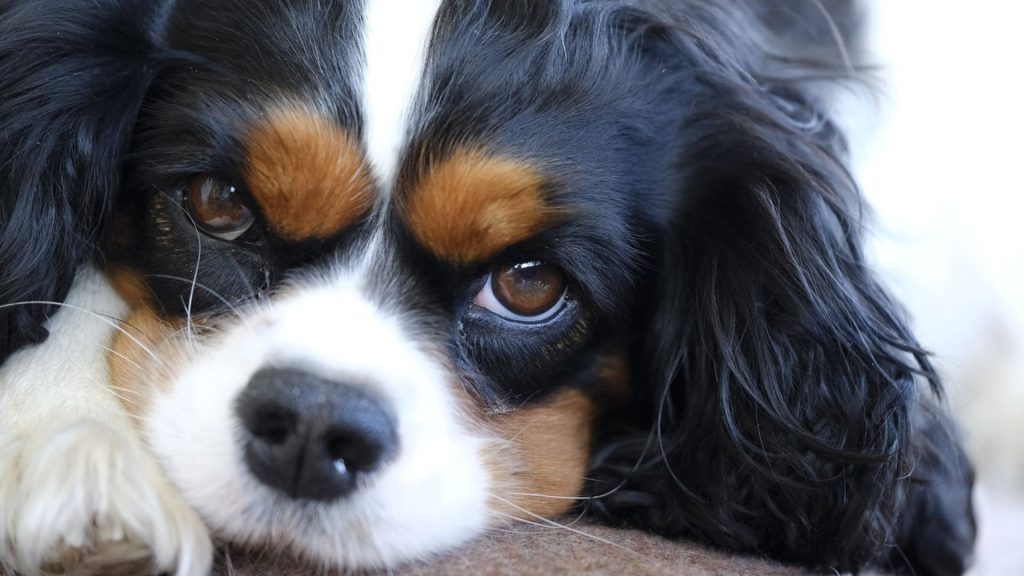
(487, 300)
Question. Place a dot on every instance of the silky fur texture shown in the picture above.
(711, 234)
(78, 492)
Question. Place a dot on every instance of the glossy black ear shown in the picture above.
(73, 74)
(776, 383)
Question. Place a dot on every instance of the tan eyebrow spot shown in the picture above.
(308, 174)
(473, 205)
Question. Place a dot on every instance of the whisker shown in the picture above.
(234, 309)
(237, 268)
(195, 273)
(538, 524)
(519, 520)
(123, 390)
(195, 279)
(553, 524)
(552, 497)
(109, 320)
(187, 330)
(133, 363)
(124, 399)
(117, 392)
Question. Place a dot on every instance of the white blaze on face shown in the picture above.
(433, 495)
(395, 40)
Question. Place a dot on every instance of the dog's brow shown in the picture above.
(473, 205)
(307, 173)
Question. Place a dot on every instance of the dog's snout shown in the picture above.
(311, 437)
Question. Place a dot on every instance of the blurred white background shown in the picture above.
(943, 165)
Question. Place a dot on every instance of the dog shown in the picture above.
(362, 280)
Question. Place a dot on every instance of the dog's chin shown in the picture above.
(431, 495)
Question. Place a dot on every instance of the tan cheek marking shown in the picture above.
(547, 450)
(129, 285)
(307, 174)
(473, 205)
(142, 355)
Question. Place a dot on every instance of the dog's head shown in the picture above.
(400, 271)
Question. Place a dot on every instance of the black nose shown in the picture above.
(311, 437)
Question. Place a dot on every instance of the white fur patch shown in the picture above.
(395, 42)
(75, 485)
(431, 497)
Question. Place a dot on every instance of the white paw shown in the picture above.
(84, 500)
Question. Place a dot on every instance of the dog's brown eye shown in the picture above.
(524, 292)
(218, 208)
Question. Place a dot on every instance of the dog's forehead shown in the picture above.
(394, 54)
(378, 104)
(356, 64)
(461, 117)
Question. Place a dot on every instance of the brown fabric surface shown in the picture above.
(596, 550)
(542, 551)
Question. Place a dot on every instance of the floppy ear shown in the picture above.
(778, 372)
(775, 380)
(72, 77)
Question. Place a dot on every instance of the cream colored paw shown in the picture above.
(84, 500)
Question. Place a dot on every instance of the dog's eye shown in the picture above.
(218, 208)
(526, 292)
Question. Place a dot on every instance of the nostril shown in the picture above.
(271, 424)
(354, 451)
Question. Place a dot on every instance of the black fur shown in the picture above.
(780, 404)
(72, 77)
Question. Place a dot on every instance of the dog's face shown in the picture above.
(400, 271)
(379, 269)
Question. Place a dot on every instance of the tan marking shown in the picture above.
(473, 205)
(547, 453)
(129, 285)
(308, 174)
(141, 356)
(134, 373)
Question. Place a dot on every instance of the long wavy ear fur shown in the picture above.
(777, 385)
(72, 77)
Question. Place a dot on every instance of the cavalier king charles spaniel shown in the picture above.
(363, 279)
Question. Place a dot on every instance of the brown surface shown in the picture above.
(541, 551)
(534, 550)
